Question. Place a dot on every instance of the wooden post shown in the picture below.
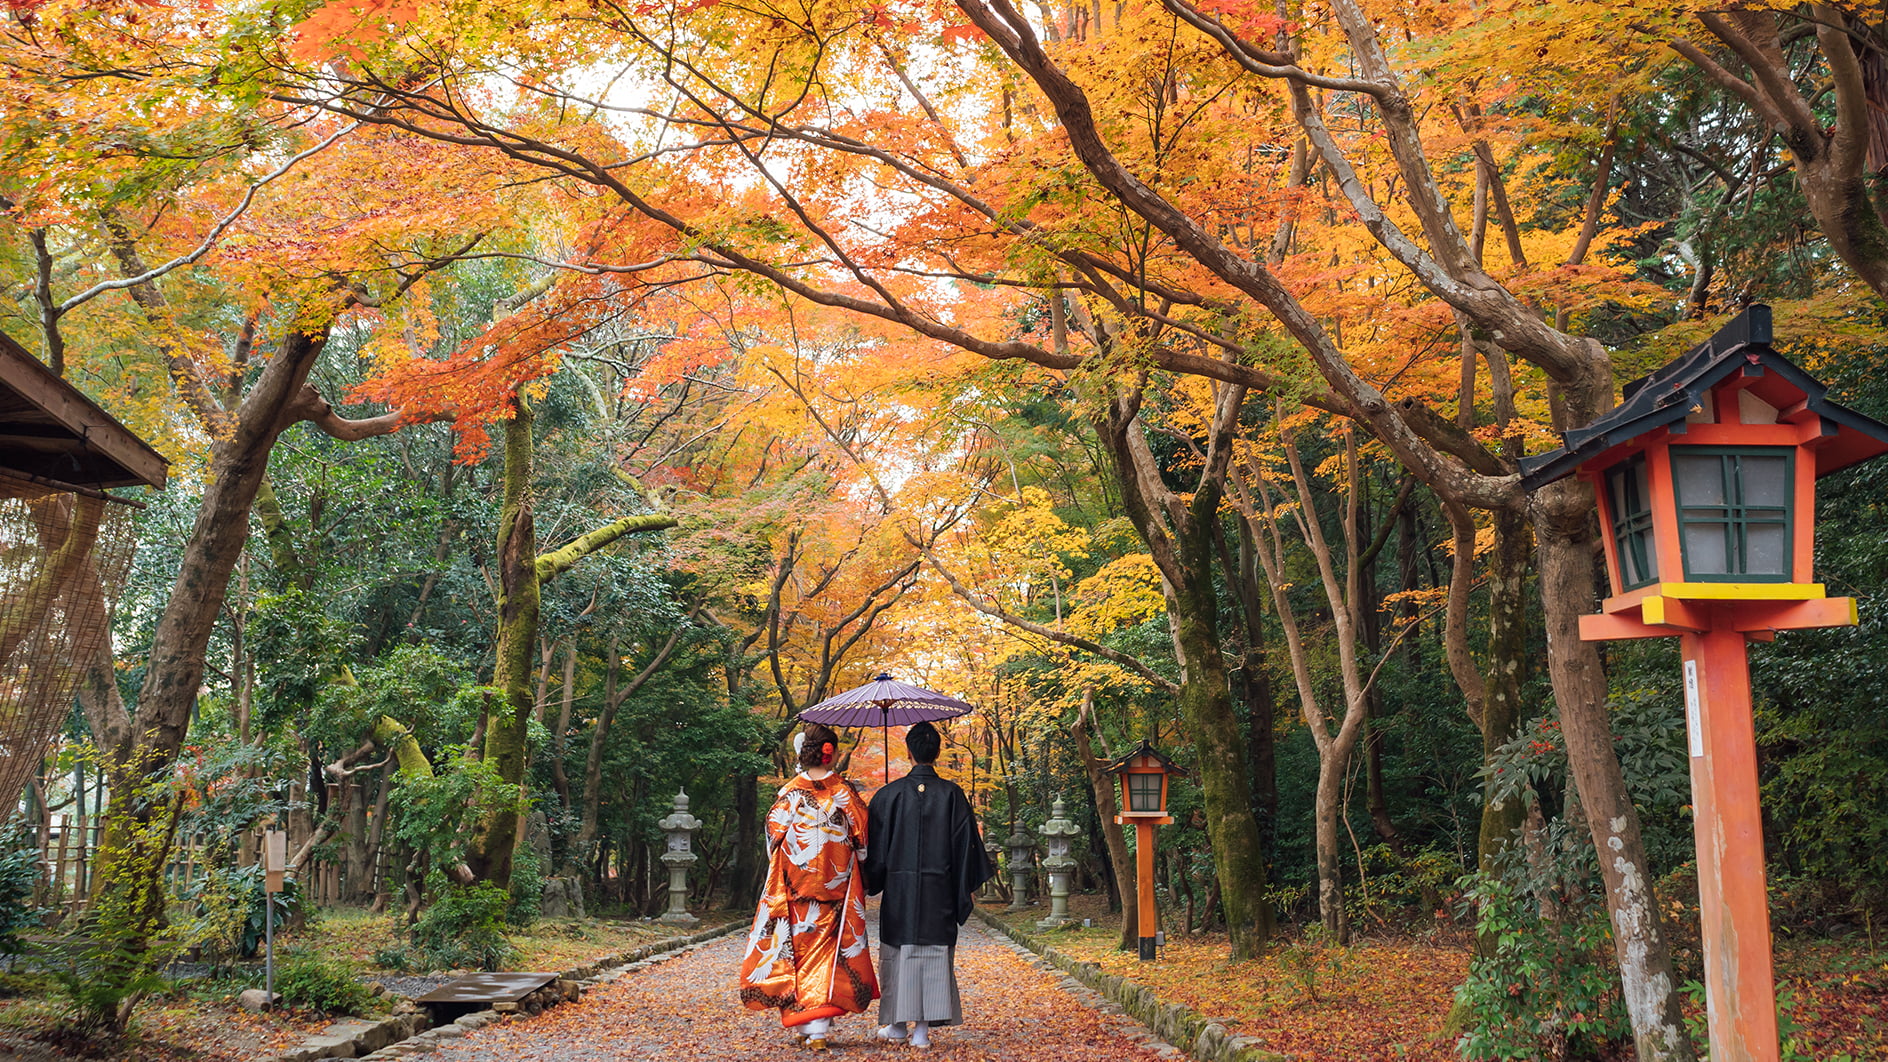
(1144, 886)
(79, 884)
(274, 863)
(42, 893)
(1740, 988)
(59, 863)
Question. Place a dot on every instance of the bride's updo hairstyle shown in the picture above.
(821, 747)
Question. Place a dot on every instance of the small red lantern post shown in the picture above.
(1706, 482)
(1144, 773)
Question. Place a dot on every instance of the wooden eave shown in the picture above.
(50, 432)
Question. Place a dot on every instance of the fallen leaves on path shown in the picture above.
(1838, 1001)
(686, 1009)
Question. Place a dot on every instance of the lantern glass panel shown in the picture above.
(1765, 480)
(1143, 792)
(1767, 547)
(1734, 512)
(1632, 523)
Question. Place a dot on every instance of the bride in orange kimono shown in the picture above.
(807, 954)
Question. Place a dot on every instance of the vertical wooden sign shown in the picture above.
(274, 859)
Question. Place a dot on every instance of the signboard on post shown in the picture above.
(274, 859)
(274, 868)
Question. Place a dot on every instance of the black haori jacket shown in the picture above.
(924, 853)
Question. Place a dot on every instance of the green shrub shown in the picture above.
(396, 957)
(308, 981)
(229, 911)
(19, 872)
(465, 927)
(1314, 954)
(527, 890)
(1548, 990)
(122, 941)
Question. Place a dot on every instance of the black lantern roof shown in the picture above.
(1665, 398)
(1144, 749)
(51, 434)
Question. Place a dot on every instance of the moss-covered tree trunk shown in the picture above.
(522, 573)
(1507, 662)
(1251, 684)
(134, 847)
(490, 852)
(1178, 532)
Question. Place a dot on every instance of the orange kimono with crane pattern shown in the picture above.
(807, 954)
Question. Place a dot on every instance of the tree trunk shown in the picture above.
(521, 575)
(360, 885)
(1102, 786)
(614, 694)
(593, 760)
(560, 737)
(1327, 812)
(174, 672)
(1252, 684)
(378, 864)
(1366, 605)
(1179, 535)
(490, 853)
(1335, 746)
(744, 878)
(1563, 521)
(1507, 661)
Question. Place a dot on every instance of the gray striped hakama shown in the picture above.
(918, 982)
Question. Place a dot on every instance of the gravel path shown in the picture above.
(686, 1010)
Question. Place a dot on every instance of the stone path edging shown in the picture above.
(1187, 1029)
(403, 1035)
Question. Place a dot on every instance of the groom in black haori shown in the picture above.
(926, 856)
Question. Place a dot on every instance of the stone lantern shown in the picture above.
(1057, 835)
(993, 851)
(680, 827)
(1022, 847)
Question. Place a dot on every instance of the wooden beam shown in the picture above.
(1795, 615)
(1613, 626)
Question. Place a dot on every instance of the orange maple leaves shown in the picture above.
(347, 25)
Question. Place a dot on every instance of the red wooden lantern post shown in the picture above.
(1144, 773)
(1706, 481)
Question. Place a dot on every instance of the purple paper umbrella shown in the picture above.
(884, 702)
